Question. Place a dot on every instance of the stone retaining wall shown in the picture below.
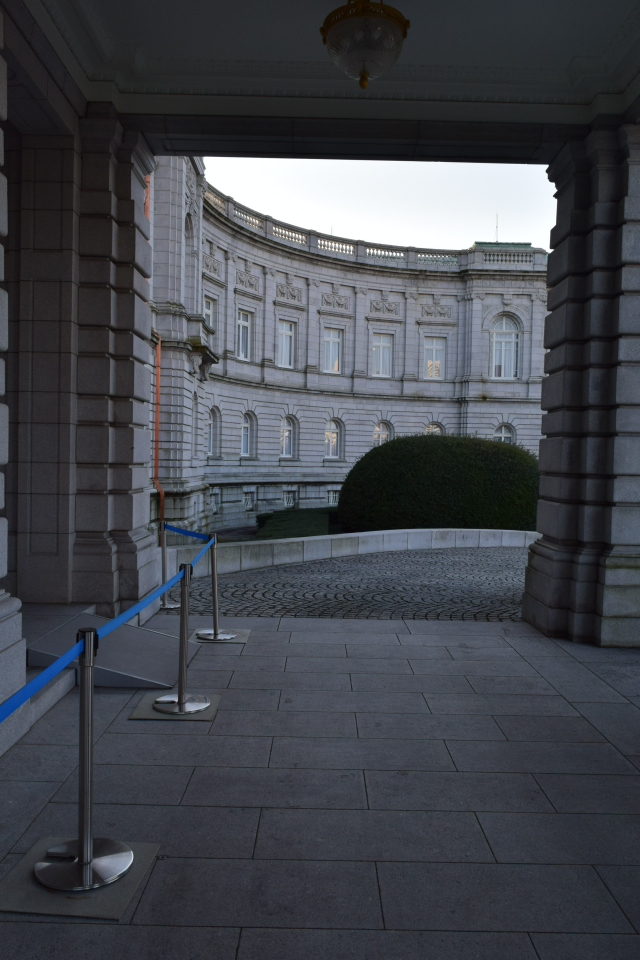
(233, 557)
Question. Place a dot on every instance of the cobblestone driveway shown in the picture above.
(452, 584)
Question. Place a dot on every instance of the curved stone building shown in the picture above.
(287, 354)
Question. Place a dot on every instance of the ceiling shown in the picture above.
(550, 63)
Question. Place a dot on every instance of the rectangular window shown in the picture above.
(434, 348)
(244, 322)
(286, 334)
(382, 354)
(210, 311)
(332, 350)
(505, 355)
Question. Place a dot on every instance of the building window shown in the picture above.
(381, 433)
(286, 343)
(248, 498)
(248, 441)
(289, 497)
(332, 440)
(333, 496)
(434, 348)
(434, 429)
(504, 433)
(332, 350)
(504, 349)
(382, 354)
(213, 435)
(210, 311)
(244, 329)
(287, 437)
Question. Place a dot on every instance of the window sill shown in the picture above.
(329, 460)
(247, 456)
(289, 460)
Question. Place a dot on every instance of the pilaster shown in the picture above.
(115, 552)
(583, 579)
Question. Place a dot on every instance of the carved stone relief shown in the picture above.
(211, 266)
(335, 300)
(286, 291)
(384, 307)
(436, 310)
(249, 281)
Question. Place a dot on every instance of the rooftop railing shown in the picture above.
(481, 256)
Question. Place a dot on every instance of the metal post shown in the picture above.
(165, 602)
(214, 636)
(181, 702)
(88, 862)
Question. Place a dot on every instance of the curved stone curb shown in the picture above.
(233, 557)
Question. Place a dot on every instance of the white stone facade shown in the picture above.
(272, 331)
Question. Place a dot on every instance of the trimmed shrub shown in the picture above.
(434, 481)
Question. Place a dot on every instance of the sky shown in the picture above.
(441, 205)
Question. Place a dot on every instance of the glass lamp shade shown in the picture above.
(364, 39)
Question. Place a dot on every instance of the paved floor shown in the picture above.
(389, 791)
(452, 584)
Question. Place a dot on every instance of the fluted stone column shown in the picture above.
(583, 578)
(115, 556)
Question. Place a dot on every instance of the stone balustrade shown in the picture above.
(516, 256)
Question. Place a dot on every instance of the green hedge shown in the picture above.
(432, 481)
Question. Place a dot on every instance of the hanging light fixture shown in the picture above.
(364, 38)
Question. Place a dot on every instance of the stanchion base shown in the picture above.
(111, 860)
(169, 605)
(207, 636)
(194, 703)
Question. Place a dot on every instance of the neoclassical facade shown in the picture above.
(287, 354)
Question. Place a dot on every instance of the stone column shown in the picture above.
(12, 646)
(42, 278)
(583, 578)
(116, 558)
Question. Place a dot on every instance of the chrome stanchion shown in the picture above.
(88, 862)
(183, 702)
(165, 602)
(214, 636)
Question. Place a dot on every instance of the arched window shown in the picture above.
(333, 440)
(434, 429)
(287, 437)
(381, 433)
(194, 426)
(504, 349)
(504, 433)
(248, 437)
(213, 434)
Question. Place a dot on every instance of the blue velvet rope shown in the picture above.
(19, 698)
(16, 701)
(202, 552)
(131, 612)
(187, 533)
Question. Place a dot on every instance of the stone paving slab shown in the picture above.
(334, 811)
(498, 897)
(391, 945)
